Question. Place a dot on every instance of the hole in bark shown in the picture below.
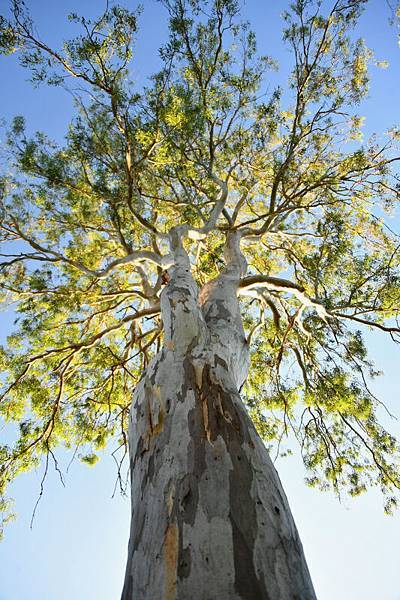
(206, 559)
(277, 510)
(239, 458)
(259, 502)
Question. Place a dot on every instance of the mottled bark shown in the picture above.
(210, 520)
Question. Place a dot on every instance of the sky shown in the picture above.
(77, 547)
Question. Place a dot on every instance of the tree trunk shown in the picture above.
(210, 520)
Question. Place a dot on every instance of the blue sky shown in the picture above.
(77, 547)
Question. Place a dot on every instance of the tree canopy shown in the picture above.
(205, 148)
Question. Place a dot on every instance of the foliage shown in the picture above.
(83, 226)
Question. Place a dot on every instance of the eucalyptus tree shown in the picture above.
(192, 270)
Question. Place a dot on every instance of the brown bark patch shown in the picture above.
(154, 421)
(204, 403)
(171, 547)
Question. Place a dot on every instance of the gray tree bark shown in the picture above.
(210, 520)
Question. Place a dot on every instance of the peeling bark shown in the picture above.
(210, 519)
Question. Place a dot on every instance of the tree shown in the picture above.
(180, 185)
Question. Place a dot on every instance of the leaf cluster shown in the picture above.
(84, 224)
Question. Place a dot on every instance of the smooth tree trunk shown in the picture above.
(210, 520)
